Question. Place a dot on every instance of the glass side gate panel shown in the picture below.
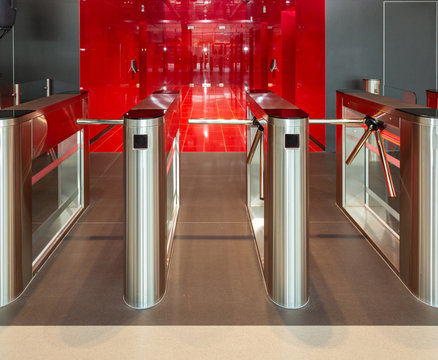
(254, 197)
(173, 191)
(57, 192)
(366, 199)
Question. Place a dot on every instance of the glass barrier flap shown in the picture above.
(57, 192)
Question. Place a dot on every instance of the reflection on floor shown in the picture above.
(214, 275)
(201, 102)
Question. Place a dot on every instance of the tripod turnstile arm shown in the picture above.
(359, 146)
(258, 137)
(375, 126)
(385, 165)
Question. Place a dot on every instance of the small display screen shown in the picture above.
(292, 141)
(140, 141)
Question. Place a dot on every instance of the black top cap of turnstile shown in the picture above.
(13, 114)
(170, 92)
(286, 113)
(145, 113)
(423, 112)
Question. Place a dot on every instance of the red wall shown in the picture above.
(240, 39)
(295, 37)
(112, 34)
(310, 60)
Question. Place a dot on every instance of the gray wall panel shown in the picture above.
(410, 47)
(354, 50)
(6, 68)
(47, 42)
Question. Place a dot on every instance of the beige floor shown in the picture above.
(218, 342)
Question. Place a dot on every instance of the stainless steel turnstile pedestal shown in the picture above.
(15, 205)
(286, 209)
(152, 193)
(419, 203)
(284, 216)
(404, 228)
(30, 227)
(145, 208)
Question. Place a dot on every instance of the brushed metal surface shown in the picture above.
(22, 139)
(419, 210)
(283, 173)
(416, 256)
(336, 121)
(220, 121)
(145, 215)
(286, 214)
(16, 210)
(100, 121)
(372, 86)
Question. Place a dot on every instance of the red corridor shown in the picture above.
(199, 102)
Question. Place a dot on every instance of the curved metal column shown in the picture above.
(419, 207)
(286, 209)
(145, 211)
(15, 208)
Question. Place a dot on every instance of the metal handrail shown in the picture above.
(336, 121)
(99, 121)
(221, 121)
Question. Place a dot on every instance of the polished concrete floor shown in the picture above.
(214, 275)
(219, 342)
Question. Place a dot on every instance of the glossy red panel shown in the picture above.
(310, 62)
(114, 36)
(293, 34)
(432, 99)
(222, 45)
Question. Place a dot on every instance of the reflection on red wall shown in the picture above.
(175, 43)
(115, 37)
(310, 62)
(432, 98)
(293, 36)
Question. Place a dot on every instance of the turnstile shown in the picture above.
(277, 192)
(152, 196)
(404, 229)
(43, 184)
(152, 193)
(283, 249)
